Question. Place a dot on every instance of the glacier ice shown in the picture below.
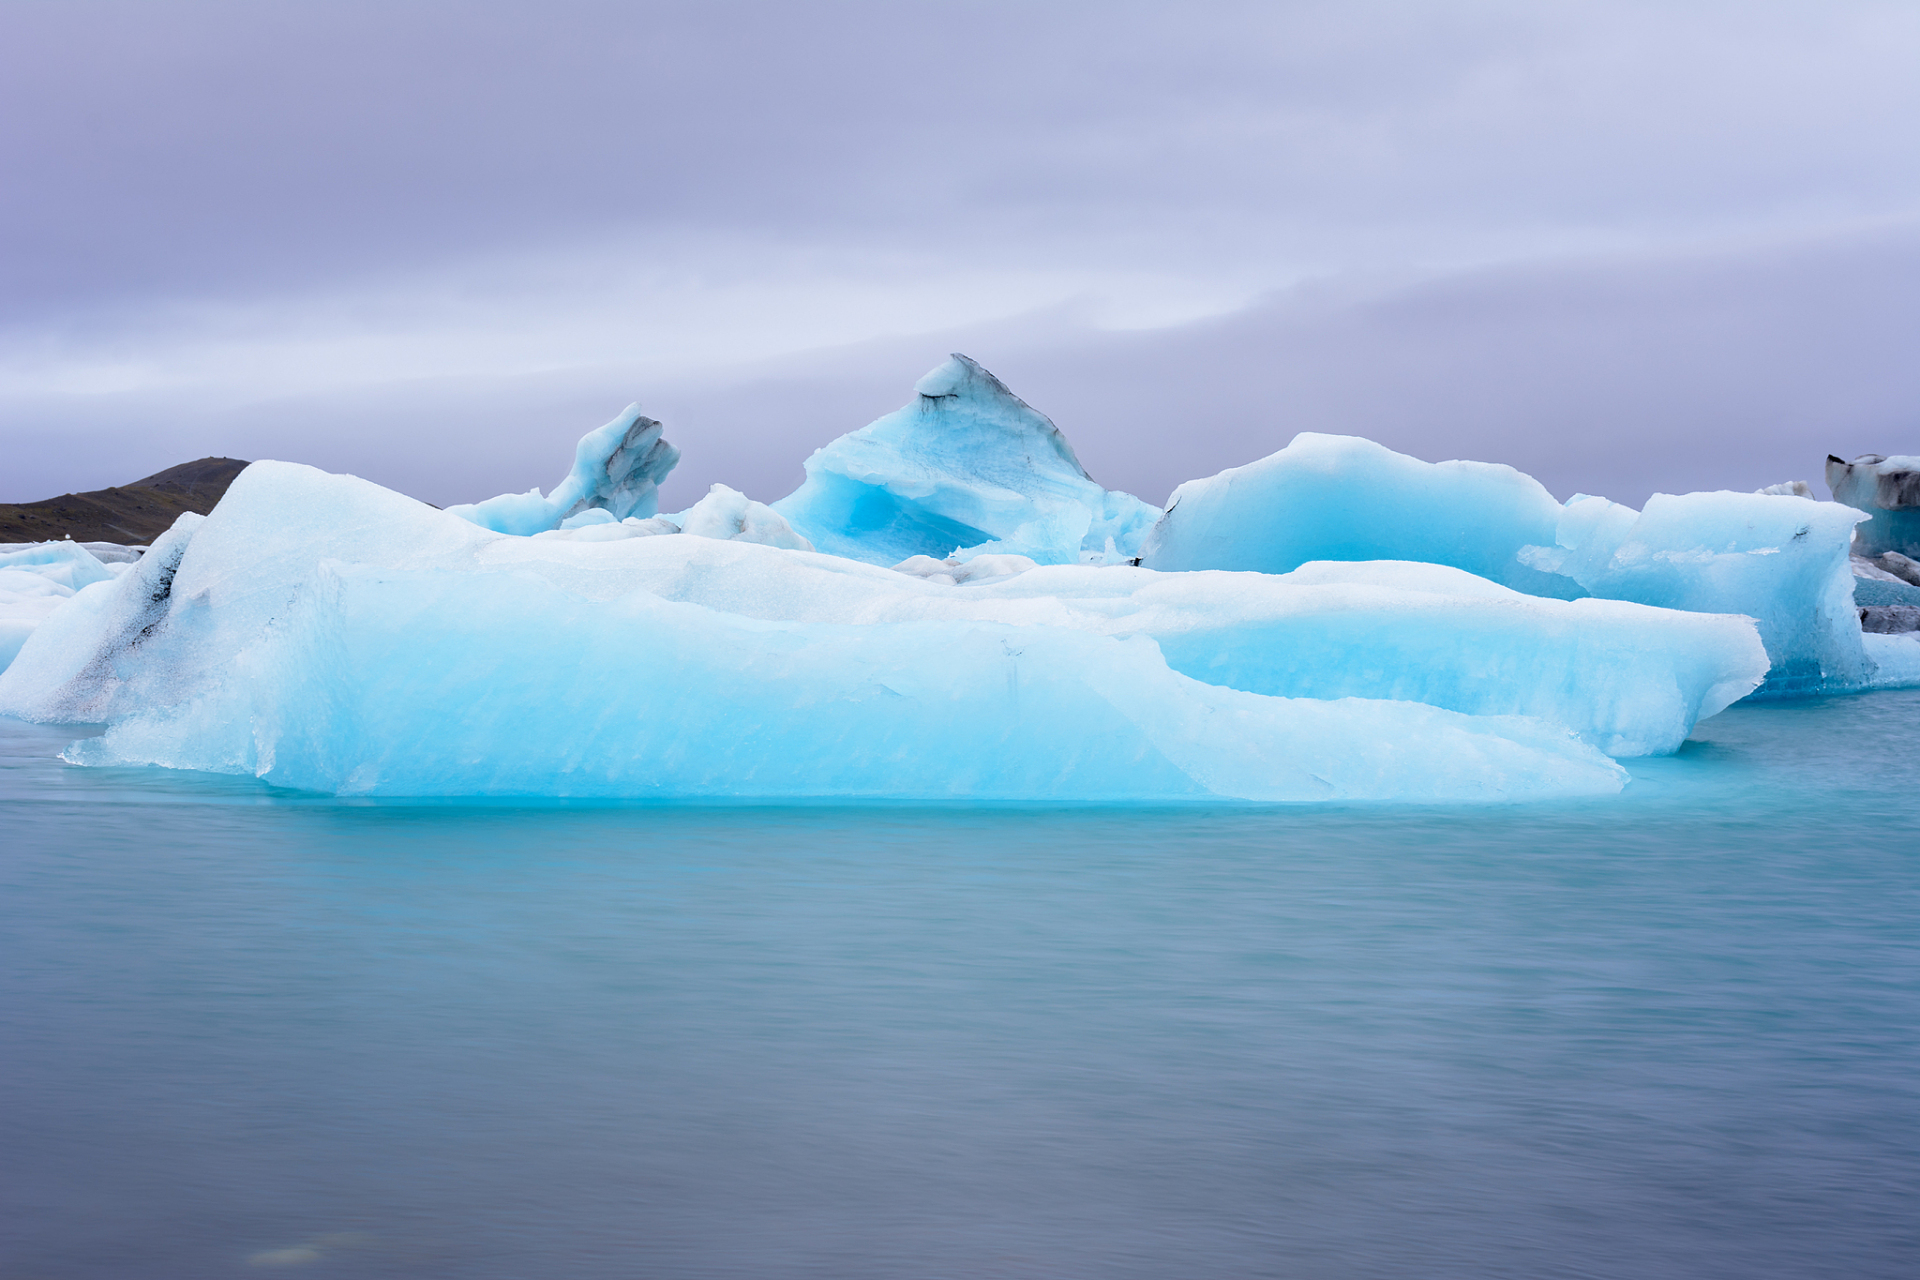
(616, 468)
(322, 632)
(1779, 559)
(1888, 490)
(966, 466)
(980, 620)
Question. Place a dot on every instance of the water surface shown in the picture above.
(1675, 1033)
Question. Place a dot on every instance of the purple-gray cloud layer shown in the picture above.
(1622, 246)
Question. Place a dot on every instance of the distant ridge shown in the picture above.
(135, 513)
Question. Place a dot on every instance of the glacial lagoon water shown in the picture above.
(1676, 1033)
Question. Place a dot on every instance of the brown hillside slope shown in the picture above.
(134, 513)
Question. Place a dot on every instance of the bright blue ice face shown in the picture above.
(967, 467)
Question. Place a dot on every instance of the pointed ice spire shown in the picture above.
(966, 466)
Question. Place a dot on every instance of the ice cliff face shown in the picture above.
(968, 467)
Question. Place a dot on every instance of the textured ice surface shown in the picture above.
(1888, 489)
(323, 632)
(1779, 559)
(616, 468)
(967, 466)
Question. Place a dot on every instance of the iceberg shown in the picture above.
(1778, 558)
(967, 467)
(1327, 497)
(949, 607)
(1888, 490)
(616, 469)
(324, 633)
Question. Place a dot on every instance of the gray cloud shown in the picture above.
(430, 243)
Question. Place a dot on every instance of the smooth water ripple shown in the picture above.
(1677, 1033)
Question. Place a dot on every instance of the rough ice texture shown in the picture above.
(1887, 489)
(1779, 559)
(616, 468)
(324, 633)
(966, 466)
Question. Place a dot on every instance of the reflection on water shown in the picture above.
(1672, 1034)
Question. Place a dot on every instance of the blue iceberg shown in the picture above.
(966, 467)
(1779, 559)
(948, 608)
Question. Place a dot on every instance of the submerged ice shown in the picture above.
(948, 607)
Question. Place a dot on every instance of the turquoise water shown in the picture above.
(1671, 1034)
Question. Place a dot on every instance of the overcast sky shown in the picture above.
(1624, 246)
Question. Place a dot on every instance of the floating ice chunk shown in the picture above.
(953, 571)
(322, 632)
(1886, 488)
(1893, 564)
(36, 578)
(79, 662)
(1893, 660)
(70, 564)
(1870, 571)
(1629, 678)
(1789, 489)
(617, 468)
(729, 515)
(1326, 497)
(26, 600)
(966, 466)
(388, 682)
(1782, 561)
(263, 629)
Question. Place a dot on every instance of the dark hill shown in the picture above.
(134, 513)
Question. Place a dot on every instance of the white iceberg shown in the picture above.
(966, 467)
(1888, 490)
